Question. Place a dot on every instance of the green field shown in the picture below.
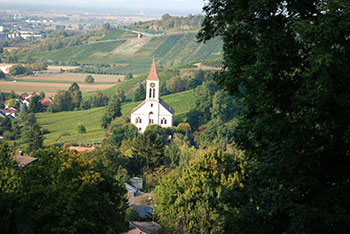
(62, 125)
(135, 55)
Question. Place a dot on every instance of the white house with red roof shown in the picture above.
(5, 69)
(153, 110)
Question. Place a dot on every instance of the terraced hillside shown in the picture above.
(133, 54)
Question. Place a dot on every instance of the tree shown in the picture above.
(147, 151)
(113, 110)
(99, 99)
(140, 93)
(80, 129)
(62, 101)
(2, 74)
(62, 193)
(75, 94)
(89, 79)
(120, 94)
(121, 129)
(17, 69)
(191, 201)
(106, 26)
(34, 105)
(293, 83)
(31, 134)
(128, 76)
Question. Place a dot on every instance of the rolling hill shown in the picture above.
(133, 54)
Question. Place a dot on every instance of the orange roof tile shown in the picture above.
(153, 73)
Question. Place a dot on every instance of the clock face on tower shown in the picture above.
(152, 85)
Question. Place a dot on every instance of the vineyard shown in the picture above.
(216, 63)
(125, 53)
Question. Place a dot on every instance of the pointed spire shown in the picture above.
(153, 73)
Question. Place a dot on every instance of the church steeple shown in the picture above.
(153, 73)
(152, 83)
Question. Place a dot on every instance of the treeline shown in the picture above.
(105, 69)
(170, 22)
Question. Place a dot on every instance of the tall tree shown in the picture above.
(34, 105)
(288, 62)
(31, 134)
(62, 101)
(147, 151)
(112, 111)
(140, 93)
(75, 94)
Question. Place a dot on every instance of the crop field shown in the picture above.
(62, 125)
(70, 77)
(46, 87)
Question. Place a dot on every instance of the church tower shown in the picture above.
(153, 110)
(152, 84)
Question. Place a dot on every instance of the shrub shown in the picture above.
(80, 129)
(89, 79)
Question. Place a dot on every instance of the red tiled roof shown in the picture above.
(153, 73)
(46, 101)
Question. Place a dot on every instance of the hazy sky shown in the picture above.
(189, 5)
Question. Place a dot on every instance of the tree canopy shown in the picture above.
(61, 193)
(288, 61)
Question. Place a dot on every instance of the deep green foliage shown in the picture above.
(63, 193)
(80, 129)
(89, 79)
(2, 74)
(147, 151)
(34, 105)
(18, 69)
(140, 93)
(121, 129)
(31, 134)
(112, 111)
(288, 61)
(67, 100)
(128, 76)
(191, 200)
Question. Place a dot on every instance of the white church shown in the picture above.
(153, 110)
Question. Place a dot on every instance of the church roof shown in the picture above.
(153, 73)
(166, 106)
(138, 106)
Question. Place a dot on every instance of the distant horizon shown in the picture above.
(175, 7)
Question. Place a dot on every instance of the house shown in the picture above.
(153, 110)
(11, 112)
(132, 191)
(142, 227)
(45, 103)
(24, 160)
(6, 69)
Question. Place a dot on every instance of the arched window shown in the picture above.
(163, 121)
(138, 120)
(150, 117)
(150, 92)
(154, 93)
